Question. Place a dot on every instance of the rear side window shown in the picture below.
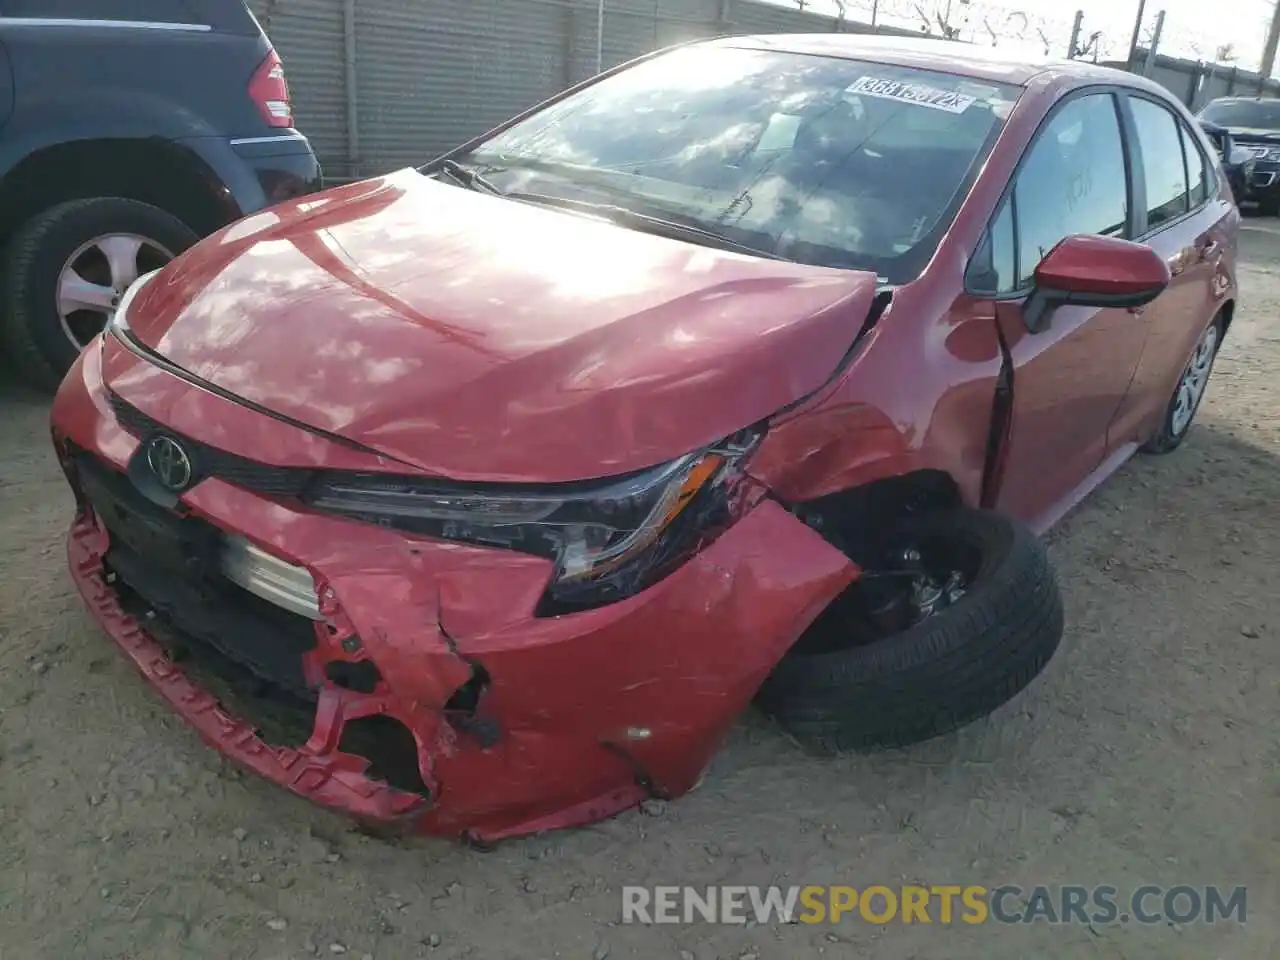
(1072, 181)
(1160, 144)
(143, 11)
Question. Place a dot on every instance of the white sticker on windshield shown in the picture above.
(916, 93)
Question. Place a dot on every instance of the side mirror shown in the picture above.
(1093, 271)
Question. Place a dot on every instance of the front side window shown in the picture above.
(821, 160)
(1072, 181)
(1162, 163)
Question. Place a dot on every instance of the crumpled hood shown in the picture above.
(486, 339)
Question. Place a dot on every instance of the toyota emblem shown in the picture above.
(170, 463)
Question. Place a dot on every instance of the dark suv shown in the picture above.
(128, 130)
(1254, 125)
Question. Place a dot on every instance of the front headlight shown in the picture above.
(609, 539)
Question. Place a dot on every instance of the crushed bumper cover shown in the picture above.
(307, 772)
(577, 718)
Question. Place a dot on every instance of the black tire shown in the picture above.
(1268, 208)
(38, 348)
(1166, 439)
(949, 669)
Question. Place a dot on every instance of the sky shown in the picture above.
(1192, 28)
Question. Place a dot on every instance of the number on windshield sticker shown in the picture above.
(916, 93)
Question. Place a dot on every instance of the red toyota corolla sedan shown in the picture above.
(480, 498)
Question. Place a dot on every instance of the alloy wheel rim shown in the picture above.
(96, 276)
(1194, 380)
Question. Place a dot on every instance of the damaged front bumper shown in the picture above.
(428, 694)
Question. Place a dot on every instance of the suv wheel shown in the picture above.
(66, 269)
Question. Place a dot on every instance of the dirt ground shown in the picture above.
(1149, 752)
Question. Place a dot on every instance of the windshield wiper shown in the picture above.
(469, 178)
(674, 229)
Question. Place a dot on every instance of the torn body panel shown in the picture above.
(877, 420)
(572, 718)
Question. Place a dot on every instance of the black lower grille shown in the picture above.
(278, 716)
(212, 462)
(170, 565)
(265, 640)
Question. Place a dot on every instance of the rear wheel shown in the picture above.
(1188, 393)
(66, 269)
(962, 616)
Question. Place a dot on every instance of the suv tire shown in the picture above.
(41, 346)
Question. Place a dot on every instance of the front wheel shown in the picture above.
(920, 648)
(65, 271)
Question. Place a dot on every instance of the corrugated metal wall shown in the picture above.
(1219, 81)
(429, 74)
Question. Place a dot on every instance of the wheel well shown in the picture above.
(152, 171)
(1228, 310)
(860, 520)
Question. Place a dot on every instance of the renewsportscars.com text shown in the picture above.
(941, 903)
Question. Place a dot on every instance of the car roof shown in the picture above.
(948, 56)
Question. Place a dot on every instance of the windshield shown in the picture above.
(1257, 114)
(827, 161)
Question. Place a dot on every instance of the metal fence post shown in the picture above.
(1155, 43)
(349, 65)
(1137, 33)
(600, 37)
(569, 21)
(724, 27)
(1193, 84)
(1074, 45)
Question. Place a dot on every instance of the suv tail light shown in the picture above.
(270, 91)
